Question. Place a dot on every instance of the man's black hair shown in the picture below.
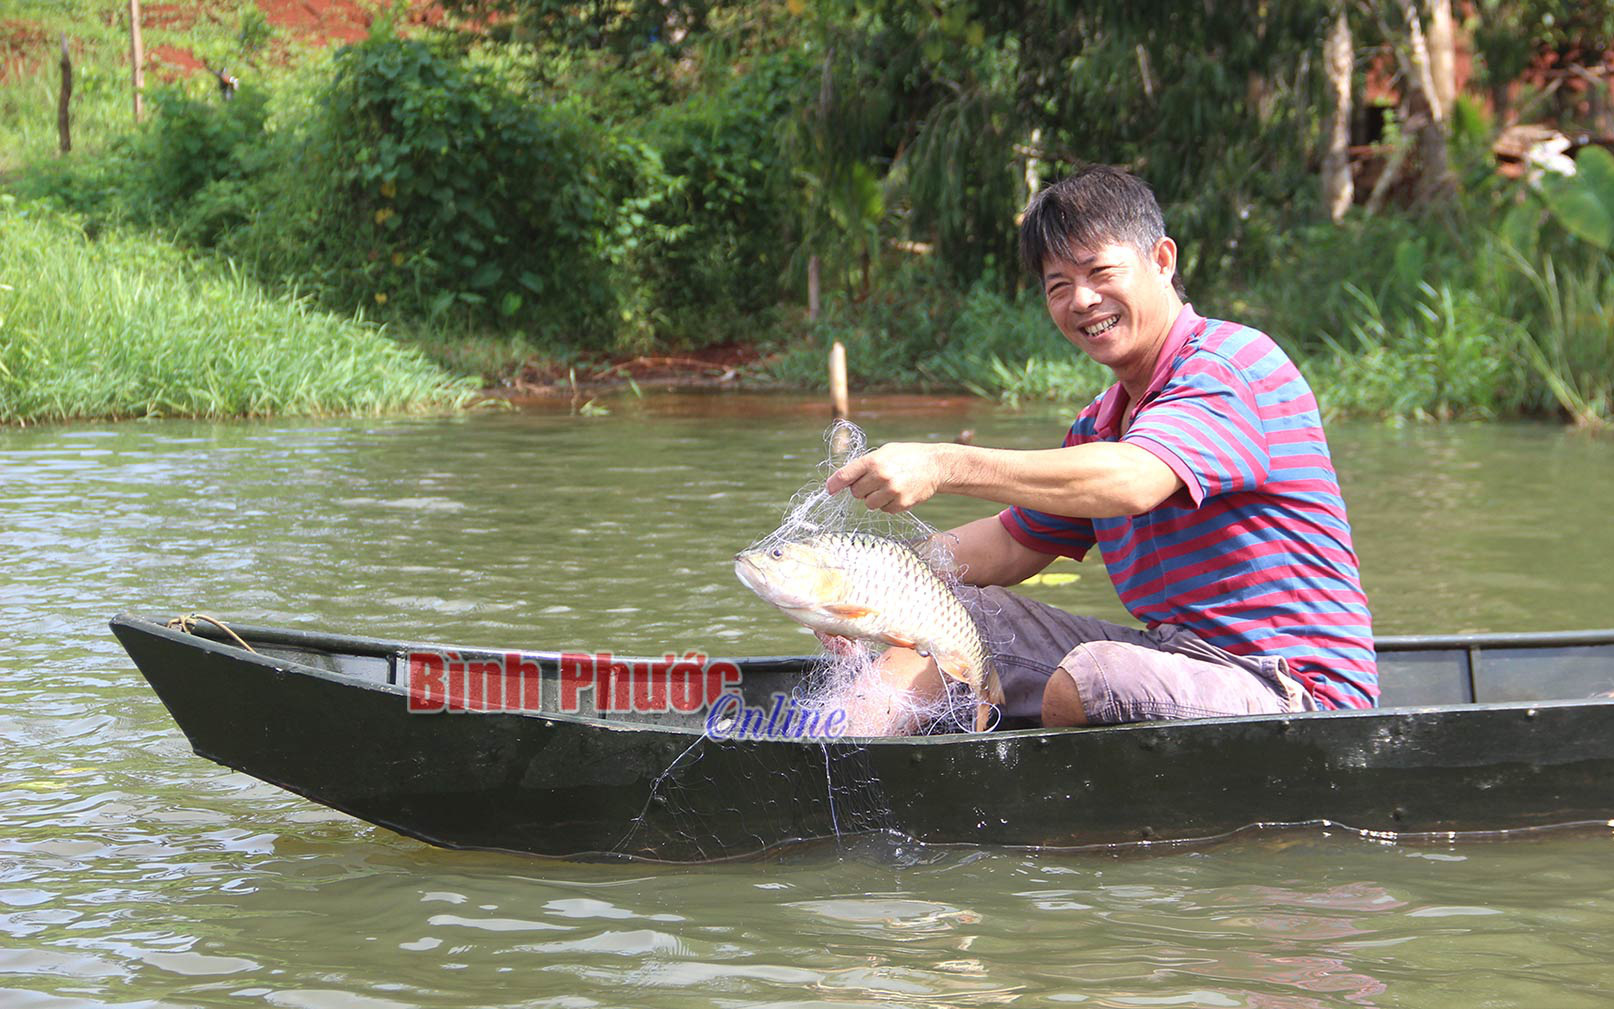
(1096, 206)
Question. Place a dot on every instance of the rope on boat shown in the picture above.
(186, 624)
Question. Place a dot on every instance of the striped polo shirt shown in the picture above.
(1254, 554)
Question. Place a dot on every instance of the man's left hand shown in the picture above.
(895, 477)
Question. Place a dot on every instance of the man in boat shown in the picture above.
(1202, 475)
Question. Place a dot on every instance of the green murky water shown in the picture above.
(133, 873)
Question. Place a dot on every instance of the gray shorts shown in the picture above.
(1122, 674)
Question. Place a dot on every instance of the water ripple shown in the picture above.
(135, 874)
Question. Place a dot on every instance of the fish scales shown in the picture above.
(869, 587)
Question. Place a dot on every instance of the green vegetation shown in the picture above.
(916, 332)
(554, 179)
(1486, 311)
(124, 326)
(233, 34)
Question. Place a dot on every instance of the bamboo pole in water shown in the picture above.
(137, 56)
(837, 381)
(812, 289)
(63, 126)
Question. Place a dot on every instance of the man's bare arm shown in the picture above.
(1096, 480)
(986, 554)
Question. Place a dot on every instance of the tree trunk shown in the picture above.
(1425, 117)
(1144, 74)
(1033, 167)
(1443, 55)
(1338, 60)
(63, 125)
(137, 57)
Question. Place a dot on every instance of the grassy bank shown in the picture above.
(127, 326)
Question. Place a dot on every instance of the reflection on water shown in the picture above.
(134, 873)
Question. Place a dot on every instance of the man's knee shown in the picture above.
(1061, 701)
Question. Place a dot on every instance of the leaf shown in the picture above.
(442, 302)
(1575, 206)
(1595, 167)
(1409, 264)
(486, 276)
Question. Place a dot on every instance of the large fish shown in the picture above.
(874, 589)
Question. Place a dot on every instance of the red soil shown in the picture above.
(169, 62)
(324, 21)
(24, 47)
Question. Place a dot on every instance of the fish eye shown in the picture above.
(776, 553)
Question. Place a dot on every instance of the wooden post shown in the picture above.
(63, 126)
(837, 381)
(812, 289)
(137, 57)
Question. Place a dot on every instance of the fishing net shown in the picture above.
(847, 675)
(814, 511)
(722, 797)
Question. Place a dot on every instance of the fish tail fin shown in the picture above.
(989, 702)
(992, 688)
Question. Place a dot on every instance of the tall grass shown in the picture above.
(101, 108)
(1571, 347)
(1449, 357)
(127, 327)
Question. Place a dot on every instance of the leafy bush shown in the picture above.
(448, 192)
(730, 228)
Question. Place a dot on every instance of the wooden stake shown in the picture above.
(812, 289)
(137, 57)
(63, 126)
(837, 381)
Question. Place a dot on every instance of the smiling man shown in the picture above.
(1202, 475)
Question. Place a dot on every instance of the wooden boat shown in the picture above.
(1478, 733)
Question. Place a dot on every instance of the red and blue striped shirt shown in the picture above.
(1254, 554)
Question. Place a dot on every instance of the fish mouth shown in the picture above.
(752, 578)
(743, 570)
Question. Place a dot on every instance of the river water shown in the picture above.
(133, 873)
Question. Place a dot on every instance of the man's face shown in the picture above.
(1114, 304)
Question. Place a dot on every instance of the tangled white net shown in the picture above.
(850, 675)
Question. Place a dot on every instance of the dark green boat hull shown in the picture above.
(321, 716)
